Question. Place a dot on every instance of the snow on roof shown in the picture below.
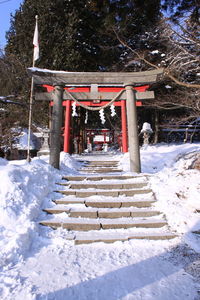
(21, 141)
(34, 69)
(154, 52)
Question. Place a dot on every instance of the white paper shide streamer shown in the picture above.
(102, 116)
(74, 113)
(86, 117)
(113, 112)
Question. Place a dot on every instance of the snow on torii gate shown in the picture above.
(130, 83)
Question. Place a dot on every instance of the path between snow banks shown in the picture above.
(52, 268)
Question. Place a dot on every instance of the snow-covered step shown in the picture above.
(94, 167)
(85, 224)
(106, 207)
(107, 203)
(100, 170)
(97, 178)
(102, 163)
(130, 222)
(124, 212)
(102, 213)
(69, 200)
(105, 237)
(73, 224)
(111, 193)
(105, 186)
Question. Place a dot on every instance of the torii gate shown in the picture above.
(126, 88)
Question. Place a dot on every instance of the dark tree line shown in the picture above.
(93, 35)
(78, 34)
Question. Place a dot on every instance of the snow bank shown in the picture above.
(3, 162)
(176, 186)
(155, 158)
(68, 164)
(23, 189)
(177, 189)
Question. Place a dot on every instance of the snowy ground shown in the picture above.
(39, 263)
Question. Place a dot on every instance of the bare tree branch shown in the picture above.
(167, 70)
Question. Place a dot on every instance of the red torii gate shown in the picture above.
(96, 103)
(62, 81)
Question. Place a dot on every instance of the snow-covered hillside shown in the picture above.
(40, 263)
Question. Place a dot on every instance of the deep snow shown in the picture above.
(40, 263)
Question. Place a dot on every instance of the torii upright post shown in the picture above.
(133, 141)
(67, 127)
(56, 127)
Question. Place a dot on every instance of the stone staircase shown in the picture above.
(103, 204)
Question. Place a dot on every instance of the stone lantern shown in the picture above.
(146, 131)
(45, 150)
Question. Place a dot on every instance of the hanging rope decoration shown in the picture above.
(113, 112)
(86, 117)
(74, 113)
(102, 116)
(94, 108)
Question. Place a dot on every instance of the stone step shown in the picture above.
(83, 224)
(87, 238)
(102, 213)
(107, 203)
(69, 200)
(112, 193)
(98, 153)
(101, 163)
(104, 186)
(100, 170)
(100, 166)
(97, 178)
(118, 203)
(105, 166)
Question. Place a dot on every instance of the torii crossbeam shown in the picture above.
(128, 80)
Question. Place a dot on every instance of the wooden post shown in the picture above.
(67, 126)
(56, 127)
(132, 130)
(156, 127)
(124, 127)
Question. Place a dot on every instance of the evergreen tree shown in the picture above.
(78, 34)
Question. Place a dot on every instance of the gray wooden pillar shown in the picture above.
(56, 124)
(133, 140)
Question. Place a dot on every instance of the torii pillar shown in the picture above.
(67, 126)
(124, 127)
(133, 141)
(56, 125)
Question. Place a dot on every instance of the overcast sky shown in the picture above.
(6, 8)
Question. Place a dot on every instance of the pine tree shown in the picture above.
(78, 34)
